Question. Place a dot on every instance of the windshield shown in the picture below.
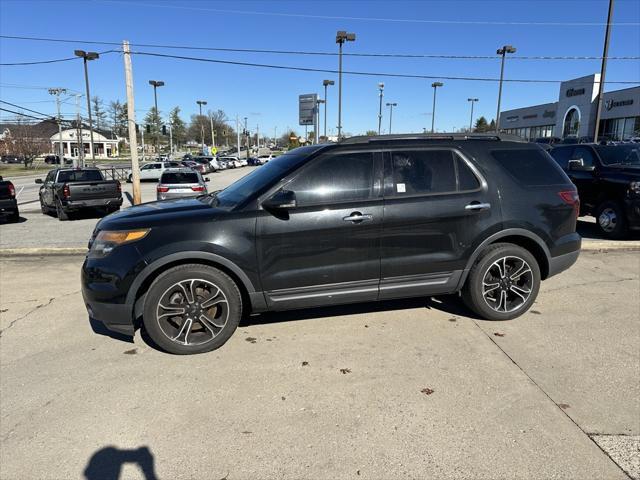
(261, 179)
(619, 154)
(80, 176)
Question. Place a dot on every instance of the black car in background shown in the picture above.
(8, 201)
(365, 219)
(608, 182)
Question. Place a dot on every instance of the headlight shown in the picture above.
(635, 187)
(107, 240)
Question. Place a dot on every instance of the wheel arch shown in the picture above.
(143, 281)
(517, 236)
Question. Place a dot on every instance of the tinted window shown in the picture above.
(620, 154)
(80, 176)
(562, 155)
(179, 177)
(530, 167)
(585, 154)
(423, 171)
(466, 178)
(335, 178)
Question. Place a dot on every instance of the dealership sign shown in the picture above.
(572, 92)
(609, 104)
(307, 108)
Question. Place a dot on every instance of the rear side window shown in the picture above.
(80, 176)
(335, 178)
(179, 177)
(530, 167)
(466, 179)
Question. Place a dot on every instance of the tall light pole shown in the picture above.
(435, 86)
(87, 56)
(57, 92)
(603, 70)
(381, 88)
(155, 84)
(326, 83)
(391, 105)
(200, 103)
(318, 103)
(248, 140)
(80, 142)
(341, 37)
(472, 100)
(503, 52)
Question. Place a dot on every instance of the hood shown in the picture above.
(180, 210)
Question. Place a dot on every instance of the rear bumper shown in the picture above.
(562, 262)
(8, 206)
(93, 203)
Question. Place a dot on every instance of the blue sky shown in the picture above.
(269, 97)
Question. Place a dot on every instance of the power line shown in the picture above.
(328, 54)
(377, 74)
(374, 19)
(27, 109)
(41, 62)
(22, 114)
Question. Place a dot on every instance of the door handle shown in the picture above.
(357, 217)
(477, 206)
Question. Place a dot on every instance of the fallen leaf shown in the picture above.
(246, 432)
(427, 391)
(251, 339)
(498, 334)
(564, 406)
(304, 364)
(344, 371)
(366, 326)
(452, 320)
(133, 351)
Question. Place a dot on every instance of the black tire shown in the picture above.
(130, 178)
(480, 300)
(161, 330)
(60, 213)
(14, 217)
(43, 208)
(611, 220)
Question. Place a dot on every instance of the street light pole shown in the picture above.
(381, 88)
(603, 71)
(503, 52)
(86, 56)
(57, 92)
(391, 105)
(341, 37)
(200, 103)
(155, 85)
(472, 100)
(318, 103)
(326, 83)
(435, 86)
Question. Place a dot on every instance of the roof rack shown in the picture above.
(498, 137)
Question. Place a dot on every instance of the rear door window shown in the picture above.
(530, 167)
(179, 177)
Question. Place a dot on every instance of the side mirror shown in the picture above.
(207, 179)
(38, 180)
(281, 199)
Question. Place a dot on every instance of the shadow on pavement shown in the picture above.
(99, 328)
(588, 230)
(106, 463)
(6, 221)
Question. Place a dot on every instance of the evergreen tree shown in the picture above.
(481, 125)
(178, 127)
(99, 113)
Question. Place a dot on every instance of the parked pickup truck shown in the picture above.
(8, 203)
(608, 181)
(67, 190)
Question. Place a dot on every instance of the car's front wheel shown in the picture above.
(192, 309)
(503, 283)
(611, 220)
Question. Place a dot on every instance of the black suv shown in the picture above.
(608, 181)
(365, 219)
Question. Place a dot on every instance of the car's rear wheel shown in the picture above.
(192, 309)
(503, 283)
(60, 213)
(611, 220)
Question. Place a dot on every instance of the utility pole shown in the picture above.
(472, 100)
(275, 136)
(317, 117)
(238, 134)
(213, 134)
(248, 139)
(57, 92)
(603, 70)
(170, 141)
(258, 136)
(381, 88)
(341, 37)
(200, 103)
(131, 124)
(435, 86)
(80, 142)
(503, 52)
(326, 83)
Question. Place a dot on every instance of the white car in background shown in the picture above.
(154, 170)
(262, 159)
(232, 162)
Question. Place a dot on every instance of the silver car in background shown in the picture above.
(181, 182)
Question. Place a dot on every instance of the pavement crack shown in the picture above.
(36, 308)
(618, 280)
(589, 436)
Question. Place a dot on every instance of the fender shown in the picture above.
(188, 255)
(509, 232)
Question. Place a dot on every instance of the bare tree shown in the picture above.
(25, 144)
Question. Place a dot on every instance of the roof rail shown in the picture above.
(499, 137)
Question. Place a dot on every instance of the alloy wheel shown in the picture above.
(507, 284)
(192, 312)
(608, 220)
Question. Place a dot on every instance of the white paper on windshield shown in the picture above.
(401, 188)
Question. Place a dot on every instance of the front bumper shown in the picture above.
(116, 317)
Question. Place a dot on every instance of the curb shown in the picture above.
(587, 246)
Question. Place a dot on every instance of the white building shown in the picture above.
(103, 146)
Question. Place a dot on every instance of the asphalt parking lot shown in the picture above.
(406, 389)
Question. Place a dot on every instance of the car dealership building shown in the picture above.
(574, 114)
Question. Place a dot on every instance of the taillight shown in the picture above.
(162, 189)
(119, 187)
(12, 190)
(66, 193)
(571, 197)
(199, 188)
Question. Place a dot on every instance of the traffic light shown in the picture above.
(137, 128)
(164, 129)
(148, 128)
